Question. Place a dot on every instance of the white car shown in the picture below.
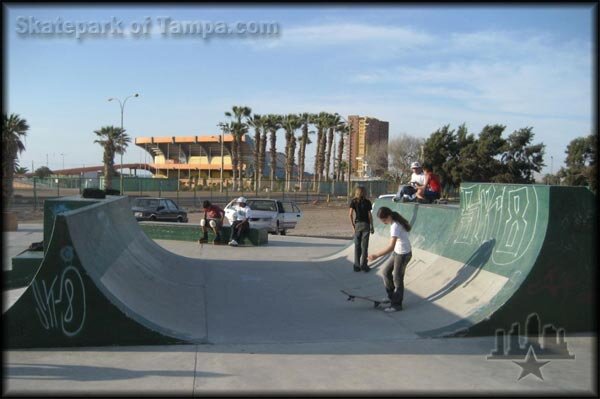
(275, 215)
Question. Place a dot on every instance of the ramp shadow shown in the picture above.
(469, 271)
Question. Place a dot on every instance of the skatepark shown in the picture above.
(109, 310)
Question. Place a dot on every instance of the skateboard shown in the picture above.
(376, 302)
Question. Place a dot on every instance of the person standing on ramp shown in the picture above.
(362, 222)
(393, 272)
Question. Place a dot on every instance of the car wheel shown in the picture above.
(152, 218)
(283, 232)
(179, 219)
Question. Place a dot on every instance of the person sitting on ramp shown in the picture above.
(393, 272)
(240, 224)
(432, 188)
(213, 217)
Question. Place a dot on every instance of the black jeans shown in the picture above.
(393, 277)
(236, 232)
(361, 243)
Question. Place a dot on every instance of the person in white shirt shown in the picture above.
(407, 192)
(393, 272)
(240, 224)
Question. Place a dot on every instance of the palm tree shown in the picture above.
(257, 123)
(238, 129)
(272, 124)
(333, 122)
(13, 129)
(321, 122)
(343, 130)
(114, 140)
(290, 123)
(305, 120)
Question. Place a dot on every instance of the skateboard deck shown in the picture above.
(376, 302)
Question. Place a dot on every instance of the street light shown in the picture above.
(122, 105)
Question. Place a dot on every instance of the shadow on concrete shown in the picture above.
(469, 271)
(80, 372)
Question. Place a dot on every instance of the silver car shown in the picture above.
(274, 215)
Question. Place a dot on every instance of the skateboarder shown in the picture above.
(362, 223)
(213, 217)
(393, 273)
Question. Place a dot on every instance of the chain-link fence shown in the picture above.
(32, 192)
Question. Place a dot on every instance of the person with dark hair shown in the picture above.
(362, 223)
(213, 217)
(399, 245)
(432, 188)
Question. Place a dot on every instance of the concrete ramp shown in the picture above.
(104, 282)
(507, 253)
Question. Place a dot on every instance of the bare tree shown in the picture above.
(402, 151)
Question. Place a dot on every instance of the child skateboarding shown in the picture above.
(399, 245)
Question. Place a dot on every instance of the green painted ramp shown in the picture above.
(104, 282)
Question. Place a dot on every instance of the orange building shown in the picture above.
(195, 158)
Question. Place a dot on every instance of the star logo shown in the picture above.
(531, 365)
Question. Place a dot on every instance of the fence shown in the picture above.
(31, 192)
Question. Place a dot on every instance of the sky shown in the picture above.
(417, 67)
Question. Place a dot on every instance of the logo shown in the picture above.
(533, 350)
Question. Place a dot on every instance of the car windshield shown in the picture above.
(146, 203)
(258, 205)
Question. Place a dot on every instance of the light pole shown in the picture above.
(63, 159)
(122, 105)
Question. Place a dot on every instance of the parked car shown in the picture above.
(275, 215)
(158, 209)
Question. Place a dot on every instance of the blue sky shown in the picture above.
(418, 67)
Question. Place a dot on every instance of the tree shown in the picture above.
(113, 140)
(520, 159)
(273, 124)
(376, 158)
(322, 122)
(20, 170)
(333, 122)
(13, 130)
(238, 129)
(439, 150)
(43, 172)
(290, 124)
(257, 122)
(305, 119)
(403, 151)
(581, 161)
(343, 130)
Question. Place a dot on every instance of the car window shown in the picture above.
(171, 206)
(163, 203)
(262, 206)
(146, 203)
(288, 207)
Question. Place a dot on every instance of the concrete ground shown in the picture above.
(394, 364)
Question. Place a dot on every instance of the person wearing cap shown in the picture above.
(213, 217)
(407, 192)
(240, 224)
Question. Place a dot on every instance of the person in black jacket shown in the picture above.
(362, 222)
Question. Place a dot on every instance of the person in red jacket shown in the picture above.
(432, 188)
(213, 217)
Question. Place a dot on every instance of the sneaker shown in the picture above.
(391, 308)
(202, 240)
(233, 243)
(356, 269)
(365, 269)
